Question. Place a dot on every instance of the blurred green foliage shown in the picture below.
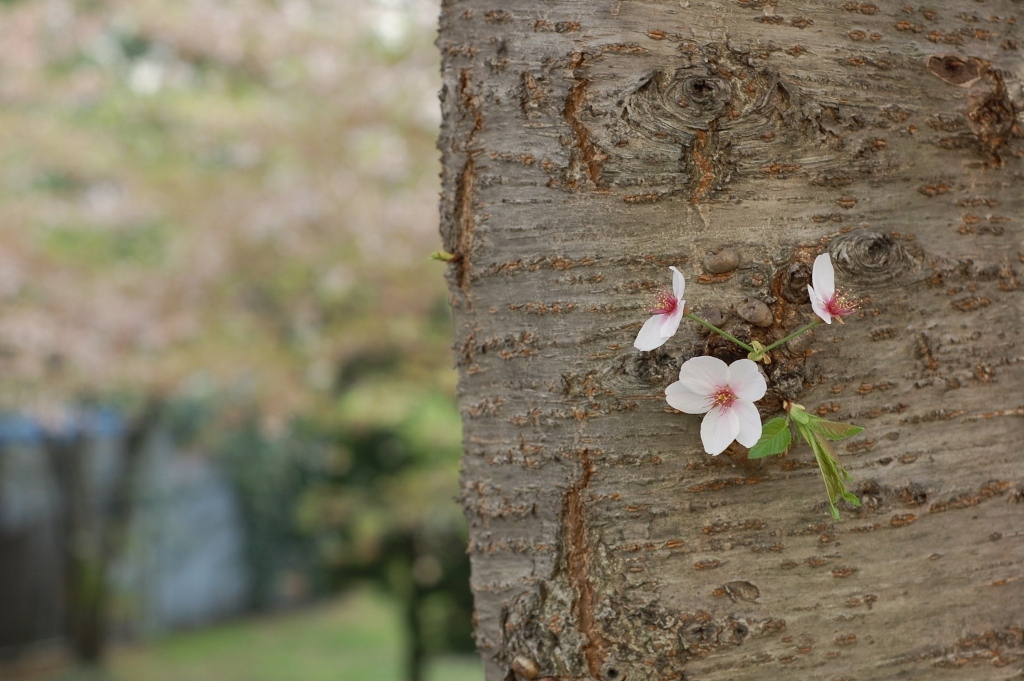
(143, 244)
(256, 183)
(232, 206)
(360, 492)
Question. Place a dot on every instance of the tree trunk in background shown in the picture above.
(94, 528)
(84, 583)
(587, 146)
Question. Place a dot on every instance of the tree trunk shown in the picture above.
(84, 569)
(415, 655)
(94, 528)
(587, 147)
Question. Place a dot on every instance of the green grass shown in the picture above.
(354, 638)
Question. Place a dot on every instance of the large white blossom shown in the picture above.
(667, 313)
(726, 393)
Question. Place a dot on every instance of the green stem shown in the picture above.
(717, 330)
(816, 322)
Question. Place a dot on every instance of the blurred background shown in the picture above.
(228, 439)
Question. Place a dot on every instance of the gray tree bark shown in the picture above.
(587, 146)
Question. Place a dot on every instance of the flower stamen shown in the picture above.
(723, 397)
(664, 303)
(842, 304)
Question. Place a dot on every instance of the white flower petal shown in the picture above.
(750, 423)
(823, 276)
(678, 283)
(718, 429)
(650, 336)
(671, 323)
(818, 305)
(704, 375)
(685, 400)
(746, 381)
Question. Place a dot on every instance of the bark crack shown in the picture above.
(991, 116)
(584, 152)
(707, 171)
(464, 223)
(464, 185)
(470, 106)
(1019, 411)
(577, 559)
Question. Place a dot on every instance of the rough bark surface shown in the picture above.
(589, 145)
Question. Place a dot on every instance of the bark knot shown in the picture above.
(872, 259)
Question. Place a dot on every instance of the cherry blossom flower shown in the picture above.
(667, 313)
(825, 300)
(727, 394)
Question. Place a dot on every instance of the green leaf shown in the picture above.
(775, 439)
(833, 430)
(832, 471)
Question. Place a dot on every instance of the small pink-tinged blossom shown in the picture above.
(667, 312)
(826, 302)
(726, 394)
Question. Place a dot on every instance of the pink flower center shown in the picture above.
(841, 305)
(665, 303)
(723, 397)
